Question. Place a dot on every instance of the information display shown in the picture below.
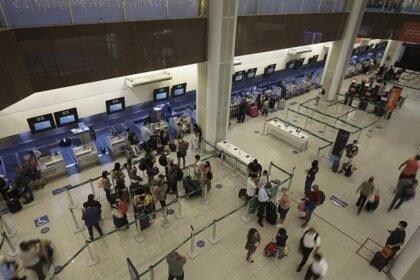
(161, 94)
(115, 105)
(250, 74)
(269, 69)
(179, 90)
(66, 117)
(41, 123)
(239, 76)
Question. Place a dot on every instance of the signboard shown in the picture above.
(393, 98)
(410, 32)
(41, 221)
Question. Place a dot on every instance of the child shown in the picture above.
(373, 202)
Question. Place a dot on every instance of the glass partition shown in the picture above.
(141, 10)
(183, 9)
(310, 6)
(93, 11)
(247, 7)
(340, 6)
(270, 6)
(327, 6)
(292, 6)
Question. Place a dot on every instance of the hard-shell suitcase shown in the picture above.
(271, 213)
(253, 111)
(119, 222)
(14, 205)
(242, 193)
(378, 261)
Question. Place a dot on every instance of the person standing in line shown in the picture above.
(396, 237)
(310, 177)
(122, 207)
(284, 205)
(105, 183)
(161, 190)
(172, 178)
(263, 198)
(92, 216)
(163, 160)
(406, 189)
(251, 187)
(265, 106)
(145, 133)
(410, 167)
(179, 130)
(318, 269)
(243, 106)
(207, 174)
(198, 167)
(253, 240)
(366, 190)
(176, 264)
(133, 141)
(309, 242)
(118, 176)
(94, 203)
(264, 179)
(181, 150)
(198, 132)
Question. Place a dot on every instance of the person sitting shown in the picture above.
(397, 238)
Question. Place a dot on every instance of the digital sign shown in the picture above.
(179, 90)
(115, 105)
(66, 117)
(161, 94)
(41, 123)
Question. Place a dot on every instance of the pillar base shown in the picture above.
(166, 225)
(246, 219)
(213, 240)
(179, 216)
(93, 261)
(77, 230)
(193, 255)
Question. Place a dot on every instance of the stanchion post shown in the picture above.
(306, 122)
(235, 169)
(77, 228)
(71, 203)
(323, 131)
(152, 273)
(193, 252)
(204, 198)
(360, 134)
(165, 223)
(179, 214)
(213, 239)
(140, 236)
(222, 159)
(246, 218)
(93, 259)
(269, 168)
(9, 231)
(291, 178)
(287, 113)
(12, 253)
(97, 196)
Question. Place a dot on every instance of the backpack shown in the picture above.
(163, 160)
(183, 147)
(142, 164)
(321, 197)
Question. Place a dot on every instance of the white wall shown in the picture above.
(88, 98)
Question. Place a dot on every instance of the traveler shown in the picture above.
(172, 178)
(406, 189)
(92, 216)
(321, 92)
(21, 185)
(366, 191)
(160, 190)
(149, 160)
(176, 264)
(251, 187)
(310, 205)
(373, 201)
(134, 178)
(410, 168)
(253, 240)
(133, 141)
(163, 160)
(207, 174)
(8, 269)
(179, 130)
(310, 241)
(30, 256)
(145, 133)
(281, 239)
(181, 150)
(263, 198)
(254, 169)
(265, 106)
(284, 205)
(264, 179)
(197, 131)
(318, 269)
(118, 176)
(396, 237)
(105, 183)
(242, 108)
(94, 203)
(310, 177)
(122, 207)
(351, 150)
(198, 168)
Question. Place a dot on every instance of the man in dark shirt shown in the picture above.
(254, 169)
(243, 106)
(397, 237)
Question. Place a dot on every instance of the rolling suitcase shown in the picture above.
(271, 213)
(119, 222)
(379, 261)
(14, 205)
(253, 111)
(270, 249)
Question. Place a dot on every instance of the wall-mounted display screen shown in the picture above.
(179, 90)
(299, 62)
(161, 94)
(41, 123)
(66, 117)
(290, 64)
(313, 59)
(115, 105)
(239, 76)
(269, 69)
(250, 74)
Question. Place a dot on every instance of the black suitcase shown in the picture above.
(271, 213)
(14, 205)
(192, 187)
(119, 222)
(172, 147)
(378, 261)
(242, 193)
(144, 221)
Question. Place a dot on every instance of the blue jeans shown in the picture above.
(308, 185)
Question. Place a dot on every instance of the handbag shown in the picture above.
(209, 175)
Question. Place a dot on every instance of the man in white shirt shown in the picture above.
(309, 241)
(250, 187)
(198, 167)
(145, 132)
(318, 268)
(263, 198)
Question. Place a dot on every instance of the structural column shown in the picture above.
(392, 52)
(340, 51)
(215, 76)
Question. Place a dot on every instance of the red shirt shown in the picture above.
(411, 167)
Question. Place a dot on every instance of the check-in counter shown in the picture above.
(289, 134)
(117, 144)
(235, 152)
(86, 155)
(52, 166)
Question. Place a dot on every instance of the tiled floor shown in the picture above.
(341, 231)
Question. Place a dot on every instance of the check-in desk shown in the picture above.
(86, 155)
(235, 152)
(52, 166)
(82, 133)
(289, 134)
(117, 144)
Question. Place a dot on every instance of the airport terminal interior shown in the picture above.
(86, 85)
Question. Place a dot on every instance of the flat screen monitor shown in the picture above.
(299, 62)
(66, 117)
(239, 76)
(41, 123)
(250, 74)
(269, 69)
(115, 105)
(161, 94)
(313, 59)
(291, 64)
(179, 90)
